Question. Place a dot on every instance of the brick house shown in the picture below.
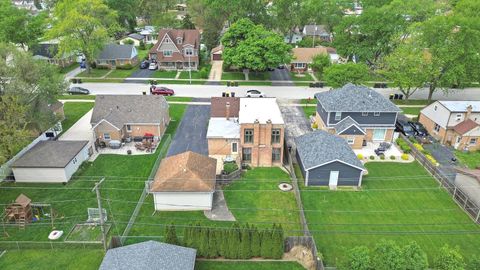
(115, 55)
(358, 114)
(454, 123)
(303, 57)
(48, 51)
(129, 117)
(176, 49)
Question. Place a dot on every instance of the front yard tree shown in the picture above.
(449, 259)
(252, 47)
(340, 74)
(83, 26)
(415, 257)
(320, 62)
(388, 256)
(13, 126)
(358, 259)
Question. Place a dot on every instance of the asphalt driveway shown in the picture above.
(296, 124)
(445, 156)
(142, 73)
(192, 131)
(281, 77)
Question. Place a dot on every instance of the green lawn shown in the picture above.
(103, 80)
(87, 97)
(195, 75)
(180, 82)
(214, 265)
(259, 76)
(142, 54)
(94, 73)
(309, 110)
(47, 259)
(268, 83)
(164, 74)
(182, 99)
(469, 159)
(124, 181)
(65, 70)
(74, 111)
(402, 211)
(411, 110)
(233, 76)
(121, 73)
(301, 77)
(422, 102)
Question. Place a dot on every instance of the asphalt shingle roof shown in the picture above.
(136, 36)
(116, 51)
(355, 98)
(50, 154)
(320, 147)
(149, 255)
(129, 109)
(320, 31)
(346, 123)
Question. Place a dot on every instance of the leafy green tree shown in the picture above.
(14, 134)
(187, 22)
(326, 12)
(341, 74)
(171, 235)
(127, 12)
(82, 26)
(291, 9)
(277, 242)
(266, 248)
(245, 246)
(256, 243)
(359, 258)
(319, 63)
(474, 263)
(449, 259)
(388, 256)
(415, 257)
(250, 46)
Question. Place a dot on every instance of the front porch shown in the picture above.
(177, 65)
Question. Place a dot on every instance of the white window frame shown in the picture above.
(170, 53)
(376, 114)
(338, 116)
(189, 50)
(129, 128)
(473, 141)
(364, 113)
(236, 147)
(351, 140)
(458, 117)
(435, 108)
(106, 136)
(436, 128)
(179, 40)
(378, 139)
(299, 65)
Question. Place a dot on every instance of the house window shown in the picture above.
(376, 114)
(351, 140)
(379, 134)
(338, 116)
(436, 128)
(435, 108)
(458, 117)
(167, 53)
(129, 128)
(473, 141)
(74, 160)
(248, 136)
(234, 147)
(364, 113)
(247, 154)
(179, 40)
(276, 154)
(188, 51)
(299, 65)
(106, 136)
(276, 135)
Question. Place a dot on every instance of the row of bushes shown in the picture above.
(382, 157)
(238, 242)
(404, 146)
(427, 154)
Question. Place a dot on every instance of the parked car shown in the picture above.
(282, 66)
(419, 129)
(254, 93)
(161, 90)
(404, 127)
(145, 64)
(78, 91)
(153, 66)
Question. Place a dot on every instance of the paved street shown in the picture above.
(288, 92)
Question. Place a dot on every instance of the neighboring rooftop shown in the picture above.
(461, 106)
(136, 36)
(149, 255)
(346, 123)
(465, 126)
(355, 98)
(50, 154)
(320, 147)
(220, 127)
(218, 107)
(117, 51)
(261, 109)
(122, 109)
(305, 55)
(316, 30)
(185, 172)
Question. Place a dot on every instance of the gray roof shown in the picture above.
(320, 147)
(50, 154)
(346, 123)
(355, 98)
(136, 36)
(309, 30)
(119, 110)
(149, 255)
(116, 51)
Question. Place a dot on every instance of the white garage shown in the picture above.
(50, 162)
(184, 182)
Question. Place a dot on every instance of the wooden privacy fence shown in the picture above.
(223, 179)
(462, 199)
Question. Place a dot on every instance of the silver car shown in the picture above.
(255, 93)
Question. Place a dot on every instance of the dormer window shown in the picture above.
(458, 117)
(188, 51)
(167, 40)
(179, 40)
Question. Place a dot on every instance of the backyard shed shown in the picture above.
(327, 160)
(184, 182)
(149, 255)
(50, 162)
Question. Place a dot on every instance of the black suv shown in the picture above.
(404, 127)
(419, 129)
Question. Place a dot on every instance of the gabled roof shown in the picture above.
(321, 30)
(119, 110)
(219, 48)
(355, 98)
(346, 123)
(218, 107)
(461, 106)
(189, 37)
(136, 36)
(320, 147)
(116, 51)
(149, 255)
(50, 154)
(261, 109)
(185, 172)
(305, 55)
(465, 126)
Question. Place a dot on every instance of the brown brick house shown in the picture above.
(303, 57)
(129, 117)
(115, 55)
(176, 49)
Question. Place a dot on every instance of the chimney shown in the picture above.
(227, 110)
(469, 111)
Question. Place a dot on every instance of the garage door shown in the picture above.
(217, 57)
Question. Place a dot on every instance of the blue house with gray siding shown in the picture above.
(327, 160)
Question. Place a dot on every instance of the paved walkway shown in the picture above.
(220, 211)
(216, 71)
(296, 124)
(80, 131)
(73, 73)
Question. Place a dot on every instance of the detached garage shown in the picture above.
(184, 182)
(327, 160)
(50, 162)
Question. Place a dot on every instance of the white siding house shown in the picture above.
(182, 201)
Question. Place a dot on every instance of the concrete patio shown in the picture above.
(123, 150)
(369, 150)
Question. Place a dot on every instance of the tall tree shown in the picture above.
(256, 242)
(171, 235)
(341, 74)
(449, 259)
(415, 257)
(388, 256)
(359, 258)
(187, 22)
(291, 9)
(127, 12)
(83, 26)
(319, 63)
(13, 126)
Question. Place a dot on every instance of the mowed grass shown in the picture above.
(219, 265)
(259, 76)
(47, 259)
(411, 110)
(301, 77)
(73, 112)
(124, 181)
(398, 202)
(121, 73)
(235, 76)
(164, 74)
(85, 97)
(469, 159)
(94, 73)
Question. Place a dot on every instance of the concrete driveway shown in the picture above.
(80, 131)
(296, 124)
(142, 73)
(192, 131)
(281, 77)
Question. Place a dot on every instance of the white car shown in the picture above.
(153, 66)
(254, 93)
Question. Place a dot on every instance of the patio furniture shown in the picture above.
(385, 145)
(115, 144)
(139, 146)
(380, 151)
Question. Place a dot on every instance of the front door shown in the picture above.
(333, 181)
(458, 139)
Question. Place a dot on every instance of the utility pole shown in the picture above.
(100, 212)
(190, 68)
